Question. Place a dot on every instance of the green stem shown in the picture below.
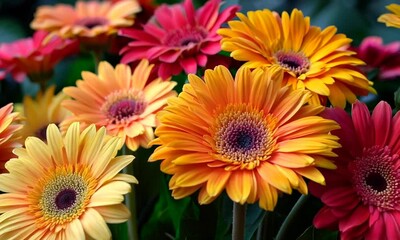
(239, 220)
(290, 219)
(130, 201)
(98, 57)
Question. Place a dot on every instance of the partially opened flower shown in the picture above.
(35, 56)
(178, 37)
(362, 197)
(67, 188)
(9, 135)
(391, 19)
(38, 113)
(93, 22)
(247, 136)
(377, 56)
(124, 102)
(312, 58)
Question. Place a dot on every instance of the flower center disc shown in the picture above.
(65, 198)
(184, 37)
(243, 136)
(91, 22)
(122, 106)
(376, 178)
(61, 195)
(294, 62)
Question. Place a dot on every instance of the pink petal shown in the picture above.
(208, 14)
(362, 124)
(381, 119)
(170, 56)
(190, 11)
(356, 218)
(201, 60)
(340, 197)
(324, 219)
(392, 223)
(211, 48)
(377, 230)
(389, 73)
(395, 139)
(189, 65)
(226, 15)
(346, 133)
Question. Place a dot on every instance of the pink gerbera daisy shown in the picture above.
(178, 37)
(384, 58)
(35, 56)
(362, 197)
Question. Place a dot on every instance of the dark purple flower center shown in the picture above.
(243, 135)
(184, 37)
(376, 178)
(244, 140)
(91, 22)
(293, 61)
(41, 133)
(376, 181)
(65, 199)
(126, 108)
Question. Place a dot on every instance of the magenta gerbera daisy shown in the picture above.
(362, 197)
(178, 37)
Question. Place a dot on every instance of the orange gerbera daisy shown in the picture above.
(42, 111)
(8, 134)
(123, 102)
(312, 59)
(92, 22)
(249, 136)
(391, 19)
(77, 187)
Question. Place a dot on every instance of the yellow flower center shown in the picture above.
(295, 62)
(123, 106)
(243, 136)
(61, 195)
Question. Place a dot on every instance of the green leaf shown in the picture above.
(119, 231)
(166, 220)
(312, 233)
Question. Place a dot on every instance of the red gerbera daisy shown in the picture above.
(362, 197)
(178, 37)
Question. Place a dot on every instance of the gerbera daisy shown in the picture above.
(377, 56)
(312, 59)
(40, 112)
(362, 197)
(8, 134)
(67, 188)
(34, 56)
(92, 22)
(123, 102)
(391, 19)
(248, 136)
(178, 37)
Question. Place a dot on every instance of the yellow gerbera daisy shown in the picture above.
(312, 59)
(90, 21)
(123, 102)
(391, 19)
(249, 136)
(9, 134)
(67, 188)
(42, 111)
